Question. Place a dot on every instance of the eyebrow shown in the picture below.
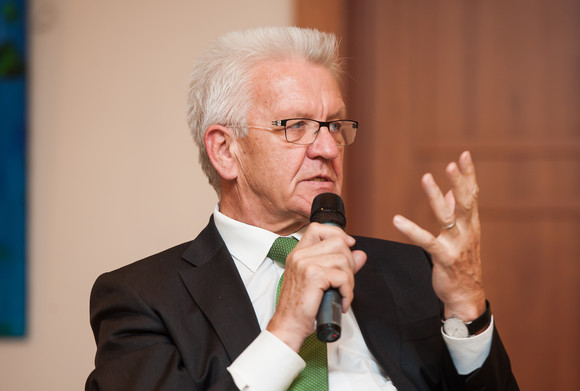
(341, 114)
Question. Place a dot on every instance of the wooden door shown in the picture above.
(429, 79)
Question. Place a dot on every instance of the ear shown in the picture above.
(220, 143)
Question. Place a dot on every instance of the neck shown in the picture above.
(243, 211)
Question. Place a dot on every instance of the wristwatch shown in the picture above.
(455, 327)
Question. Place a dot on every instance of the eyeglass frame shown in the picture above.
(321, 124)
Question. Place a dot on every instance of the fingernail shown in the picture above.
(398, 220)
(467, 155)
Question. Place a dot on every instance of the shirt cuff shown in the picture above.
(469, 354)
(267, 364)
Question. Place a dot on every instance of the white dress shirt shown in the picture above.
(269, 364)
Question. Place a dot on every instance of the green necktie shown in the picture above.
(313, 351)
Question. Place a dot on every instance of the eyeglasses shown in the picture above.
(303, 131)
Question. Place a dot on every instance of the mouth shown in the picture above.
(321, 179)
(320, 184)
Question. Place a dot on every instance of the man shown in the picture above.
(267, 114)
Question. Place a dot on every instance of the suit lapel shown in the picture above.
(215, 285)
(378, 321)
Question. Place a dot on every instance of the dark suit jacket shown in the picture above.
(177, 319)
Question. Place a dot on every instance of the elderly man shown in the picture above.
(266, 111)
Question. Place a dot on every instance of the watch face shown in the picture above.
(455, 327)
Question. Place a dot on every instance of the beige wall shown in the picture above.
(113, 171)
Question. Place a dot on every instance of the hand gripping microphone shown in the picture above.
(328, 208)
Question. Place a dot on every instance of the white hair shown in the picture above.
(220, 90)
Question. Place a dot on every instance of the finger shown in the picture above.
(450, 199)
(317, 232)
(326, 271)
(416, 234)
(464, 184)
(467, 168)
(443, 210)
(343, 279)
(316, 262)
(322, 273)
(360, 258)
(332, 252)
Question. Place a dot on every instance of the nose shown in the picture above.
(323, 146)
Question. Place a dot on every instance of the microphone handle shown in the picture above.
(329, 316)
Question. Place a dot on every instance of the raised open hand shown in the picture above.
(457, 273)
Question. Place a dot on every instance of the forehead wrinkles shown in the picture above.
(294, 89)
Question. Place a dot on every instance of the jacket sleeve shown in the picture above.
(495, 373)
(135, 349)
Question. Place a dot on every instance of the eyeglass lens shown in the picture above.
(304, 131)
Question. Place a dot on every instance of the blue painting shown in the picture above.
(13, 112)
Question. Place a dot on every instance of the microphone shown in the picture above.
(328, 208)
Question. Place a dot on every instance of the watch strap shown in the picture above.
(480, 323)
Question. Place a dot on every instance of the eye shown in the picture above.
(296, 125)
(335, 126)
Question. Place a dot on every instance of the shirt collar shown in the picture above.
(247, 243)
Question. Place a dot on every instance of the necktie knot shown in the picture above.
(281, 247)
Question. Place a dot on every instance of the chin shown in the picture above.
(312, 194)
(316, 188)
(306, 193)
(330, 189)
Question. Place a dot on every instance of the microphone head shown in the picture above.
(328, 208)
